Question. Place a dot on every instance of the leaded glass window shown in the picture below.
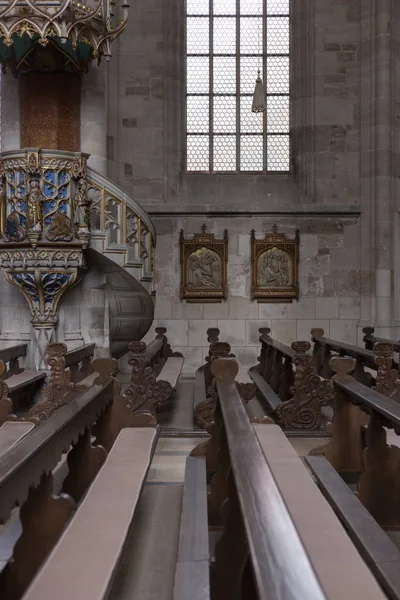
(227, 42)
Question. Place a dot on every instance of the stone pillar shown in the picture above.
(15, 316)
(94, 117)
(10, 121)
(383, 167)
(69, 326)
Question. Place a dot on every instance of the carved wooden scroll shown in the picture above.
(203, 267)
(386, 382)
(59, 390)
(145, 392)
(275, 261)
(310, 394)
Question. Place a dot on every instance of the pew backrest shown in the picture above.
(79, 362)
(273, 492)
(11, 432)
(370, 400)
(273, 541)
(10, 356)
(39, 452)
(344, 349)
(370, 339)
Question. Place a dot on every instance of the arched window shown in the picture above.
(227, 42)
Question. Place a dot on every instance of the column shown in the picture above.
(383, 168)
(94, 117)
(10, 116)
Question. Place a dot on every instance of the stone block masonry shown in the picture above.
(330, 296)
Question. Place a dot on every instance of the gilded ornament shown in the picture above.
(34, 216)
(95, 25)
(275, 266)
(203, 266)
(82, 205)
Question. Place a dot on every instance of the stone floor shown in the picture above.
(168, 464)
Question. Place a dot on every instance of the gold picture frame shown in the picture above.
(203, 267)
(275, 267)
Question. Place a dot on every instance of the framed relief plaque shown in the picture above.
(275, 261)
(203, 267)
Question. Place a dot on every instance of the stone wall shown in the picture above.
(329, 277)
(329, 194)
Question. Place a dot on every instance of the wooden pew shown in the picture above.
(11, 433)
(159, 351)
(350, 452)
(276, 365)
(202, 382)
(79, 362)
(204, 397)
(370, 340)
(156, 369)
(85, 560)
(26, 480)
(192, 577)
(11, 357)
(77, 411)
(325, 349)
(23, 384)
(289, 386)
(280, 537)
(375, 546)
(58, 391)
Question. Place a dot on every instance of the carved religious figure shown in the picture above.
(34, 208)
(13, 230)
(275, 260)
(204, 269)
(82, 205)
(203, 264)
(273, 269)
(60, 228)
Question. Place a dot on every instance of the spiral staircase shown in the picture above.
(122, 246)
(117, 240)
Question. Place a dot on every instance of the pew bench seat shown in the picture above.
(192, 575)
(171, 371)
(338, 566)
(270, 397)
(23, 386)
(85, 560)
(374, 545)
(11, 432)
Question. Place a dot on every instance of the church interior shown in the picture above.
(199, 300)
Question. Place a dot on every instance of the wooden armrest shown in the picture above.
(11, 432)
